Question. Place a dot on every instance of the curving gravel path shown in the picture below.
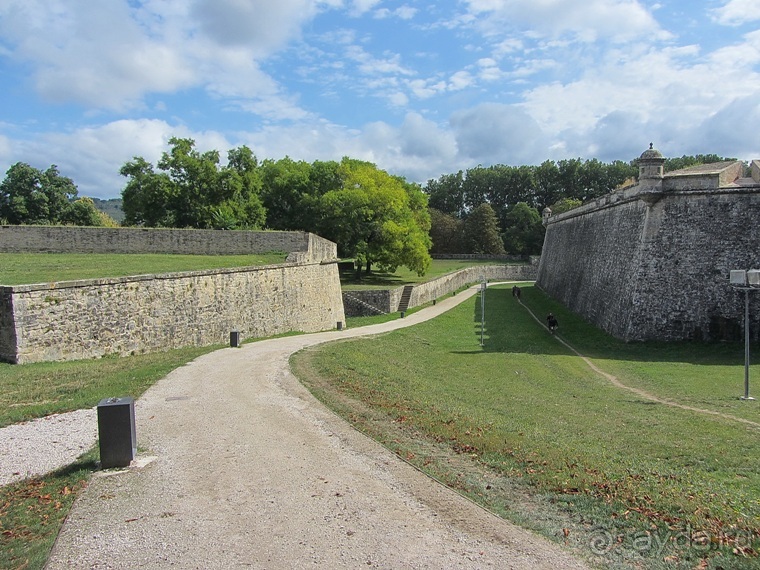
(251, 471)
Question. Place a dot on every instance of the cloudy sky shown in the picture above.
(420, 88)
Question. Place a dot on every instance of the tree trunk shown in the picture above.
(369, 267)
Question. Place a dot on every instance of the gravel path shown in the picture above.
(251, 471)
(43, 445)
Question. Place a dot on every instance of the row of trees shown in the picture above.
(374, 217)
(32, 196)
(518, 194)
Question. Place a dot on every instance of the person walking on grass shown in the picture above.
(551, 322)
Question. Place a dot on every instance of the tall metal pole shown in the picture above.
(746, 346)
(482, 310)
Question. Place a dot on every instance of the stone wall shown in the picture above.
(426, 292)
(652, 261)
(366, 303)
(387, 300)
(98, 317)
(71, 239)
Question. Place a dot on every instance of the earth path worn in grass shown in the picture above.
(252, 471)
(638, 391)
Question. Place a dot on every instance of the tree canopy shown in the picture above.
(375, 217)
(192, 190)
(32, 196)
(481, 231)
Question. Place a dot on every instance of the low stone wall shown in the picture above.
(426, 292)
(387, 300)
(98, 317)
(366, 303)
(483, 256)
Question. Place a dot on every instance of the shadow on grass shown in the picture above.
(510, 328)
(374, 279)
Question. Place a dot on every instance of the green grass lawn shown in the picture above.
(29, 391)
(629, 481)
(28, 268)
(402, 276)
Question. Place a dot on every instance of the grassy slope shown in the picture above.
(523, 407)
(26, 268)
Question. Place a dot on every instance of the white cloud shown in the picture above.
(587, 20)
(495, 133)
(737, 12)
(679, 85)
(403, 13)
(424, 88)
(93, 53)
(110, 54)
(460, 80)
(260, 24)
(360, 7)
(92, 156)
(734, 126)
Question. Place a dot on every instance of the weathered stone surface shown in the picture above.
(652, 261)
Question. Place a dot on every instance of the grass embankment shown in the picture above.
(32, 511)
(28, 268)
(525, 427)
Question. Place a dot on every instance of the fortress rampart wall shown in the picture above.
(99, 317)
(651, 262)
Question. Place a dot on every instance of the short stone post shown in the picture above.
(116, 432)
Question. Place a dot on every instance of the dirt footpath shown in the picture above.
(251, 471)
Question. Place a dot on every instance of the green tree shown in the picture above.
(564, 205)
(524, 233)
(30, 196)
(447, 194)
(446, 233)
(376, 218)
(145, 198)
(481, 231)
(687, 161)
(193, 190)
(82, 212)
(285, 183)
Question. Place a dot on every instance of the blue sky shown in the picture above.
(420, 88)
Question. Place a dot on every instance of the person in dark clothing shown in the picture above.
(552, 323)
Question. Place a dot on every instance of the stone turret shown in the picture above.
(651, 164)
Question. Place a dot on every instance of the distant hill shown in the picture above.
(111, 207)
